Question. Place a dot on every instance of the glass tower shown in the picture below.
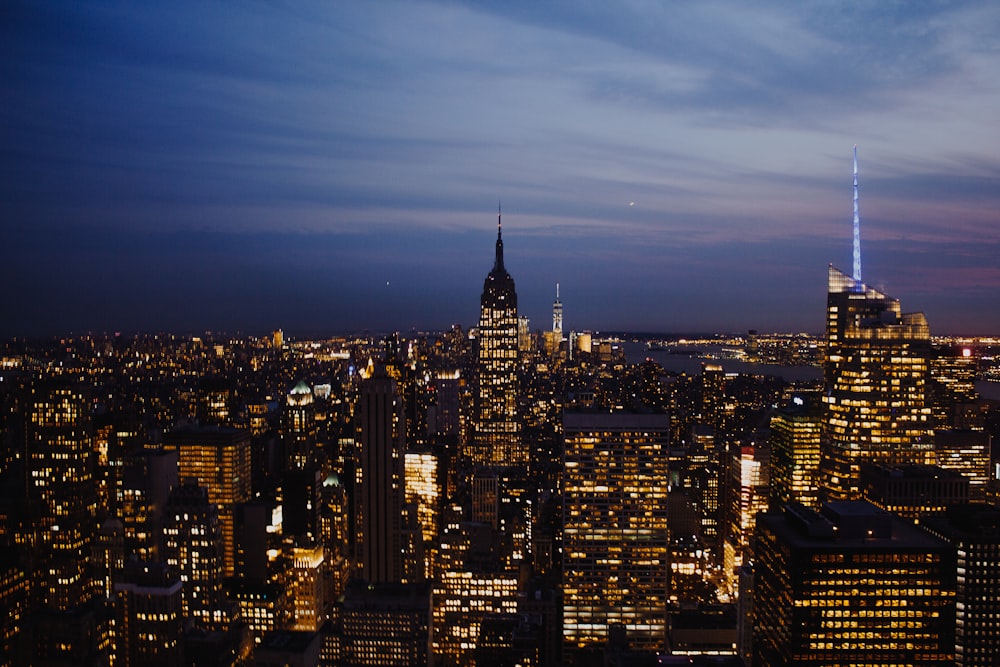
(875, 385)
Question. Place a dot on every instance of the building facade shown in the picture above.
(616, 546)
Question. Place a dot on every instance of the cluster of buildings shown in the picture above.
(497, 497)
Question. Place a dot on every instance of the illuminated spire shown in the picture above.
(857, 225)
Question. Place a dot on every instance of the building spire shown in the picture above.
(498, 264)
(857, 226)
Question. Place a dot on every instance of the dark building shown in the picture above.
(380, 479)
(149, 616)
(913, 491)
(381, 625)
(973, 531)
(851, 584)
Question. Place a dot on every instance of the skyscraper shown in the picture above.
(380, 480)
(219, 459)
(60, 462)
(616, 568)
(876, 376)
(497, 440)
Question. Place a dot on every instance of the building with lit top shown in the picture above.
(875, 385)
(424, 491)
(850, 584)
(300, 426)
(615, 536)
(748, 494)
(380, 479)
(306, 588)
(497, 435)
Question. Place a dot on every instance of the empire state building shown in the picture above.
(497, 439)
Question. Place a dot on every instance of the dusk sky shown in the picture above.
(336, 166)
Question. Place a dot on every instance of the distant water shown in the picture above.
(691, 365)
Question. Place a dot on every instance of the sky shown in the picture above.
(326, 167)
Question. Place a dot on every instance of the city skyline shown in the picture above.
(319, 167)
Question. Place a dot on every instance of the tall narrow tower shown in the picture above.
(379, 488)
(876, 372)
(497, 440)
(557, 313)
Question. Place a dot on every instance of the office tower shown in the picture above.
(463, 600)
(952, 384)
(424, 491)
(300, 426)
(192, 546)
(714, 408)
(219, 459)
(912, 491)
(557, 313)
(382, 625)
(615, 537)
(795, 453)
(263, 607)
(149, 616)
(973, 531)
(875, 384)
(146, 484)
(61, 488)
(380, 479)
(472, 584)
(966, 451)
(748, 494)
(876, 373)
(851, 584)
(497, 438)
(306, 588)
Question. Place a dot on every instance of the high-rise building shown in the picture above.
(382, 625)
(795, 453)
(61, 488)
(300, 426)
(966, 451)
(380, 479)
(875, 384)
(973, 530)
(876, 378)
(497, 438)
(850, 585)
(219, 459)
(149, 616)
(192, 546)
(616, 547)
